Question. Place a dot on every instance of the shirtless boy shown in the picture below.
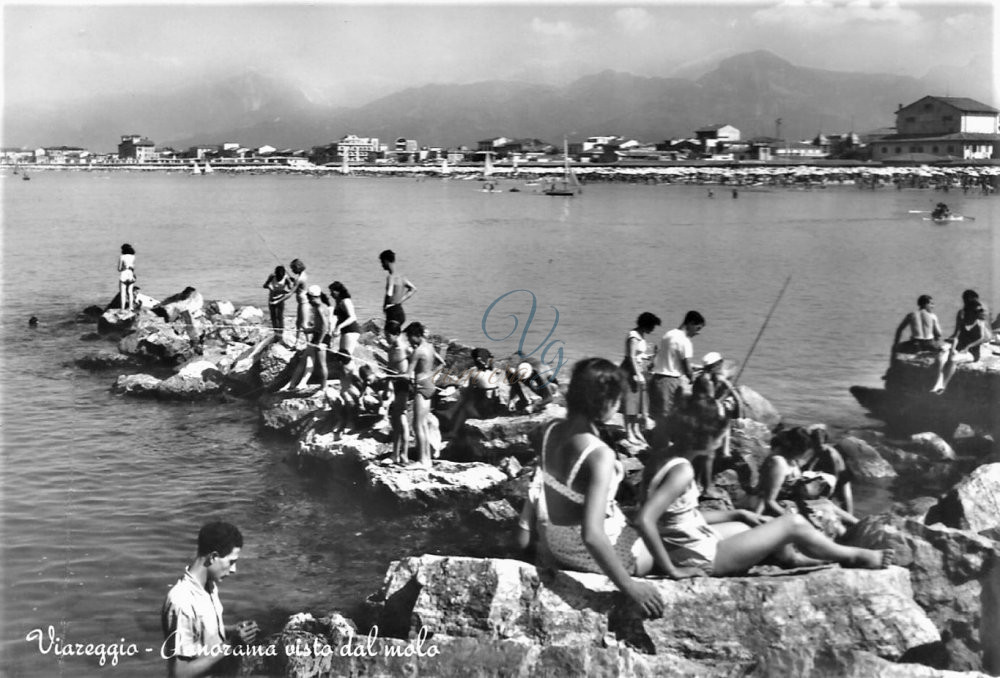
(925, 332)
(397, 289)
(399, 385)
(422, 363)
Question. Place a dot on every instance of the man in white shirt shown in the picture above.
(672, 366)
(196, 641)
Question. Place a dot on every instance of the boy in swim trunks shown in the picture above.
(925, 331)
(399, 385)
(421, 371)
(397, 289)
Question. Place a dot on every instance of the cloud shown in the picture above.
(825, 14)
(557, 29)
(633, 20)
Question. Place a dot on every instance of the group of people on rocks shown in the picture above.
(972, 332)
(575, 522)
(323, 320)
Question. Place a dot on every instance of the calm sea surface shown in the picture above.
(102, 496)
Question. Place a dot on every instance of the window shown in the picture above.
(899, 149)
(951, 149)
(911, 119)
(885, 149)
(947, 118)
(934, 149)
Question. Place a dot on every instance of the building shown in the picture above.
(358, 149)
(715, 138)
(136, 148)
(941, 128)
(62, 155)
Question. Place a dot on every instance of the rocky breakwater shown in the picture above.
(466, 616)
(907, 405)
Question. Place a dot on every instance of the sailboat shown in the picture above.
(490, 185)
(445, 170)
(344, 169)
(208, 168)
(569, 185)
(195, 169)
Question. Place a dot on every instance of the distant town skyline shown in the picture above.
(348, 54)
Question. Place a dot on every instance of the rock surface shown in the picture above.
(793, 624)
(946, 566)
(863, 460)
(973, 504)
(445, 484)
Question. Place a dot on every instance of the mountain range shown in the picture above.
(749, 91)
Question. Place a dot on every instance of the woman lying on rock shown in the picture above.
(582, 525)
(686, 542)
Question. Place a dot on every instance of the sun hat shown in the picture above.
(314, 291)
(711, 359)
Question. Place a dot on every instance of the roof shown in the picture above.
(963, 104)
(712, 128)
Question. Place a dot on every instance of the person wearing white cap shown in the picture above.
(728, 400)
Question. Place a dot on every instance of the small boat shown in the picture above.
(949, 218)
(569, 185)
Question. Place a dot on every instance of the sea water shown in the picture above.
(103, 496)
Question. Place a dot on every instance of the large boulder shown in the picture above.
(137, 385)
(286, 412)
(337, 447)
(116, 321)
(758, 408)
(906, 403)
(275, 364)
(973, 504)
(446, 483)
(946, 566)
(932, 446)
(195, 381)
(490, 439)
(863, 460)
(795, 625)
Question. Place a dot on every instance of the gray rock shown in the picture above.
(511, 466)
(973, 504)
(490, 439)
(102, 360)
(758, 408)
(497, 515)
(946, 566)
(195, 381)
(445, 484)
(721, 623)
(137, 385)
(275, 365)
(338, 447)
(115, 320)
(932, 446)
(863, 460)
(285, 412)
(989, 628)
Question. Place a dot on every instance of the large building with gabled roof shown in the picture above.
(942, 128)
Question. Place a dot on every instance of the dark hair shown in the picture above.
(693, 318)
(393, 327)
(969, 296)
(218, 537)
(297, 263)
(337, 289)
(923, 300)
(595, 384)
(647, 322)
(792, 441)
(414, 330)
(387, 255)
(697, 421)
(819, 436)
(127, 249)
(482, 353)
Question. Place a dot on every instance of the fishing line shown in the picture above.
(762, 328)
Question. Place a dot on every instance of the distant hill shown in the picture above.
(749, 91)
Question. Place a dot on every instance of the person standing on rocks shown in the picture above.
(126, 278)
(277, 285)
(397, 289)
(479, 398)
(672, 368)
(317, 344)
(399, 383)
(634, 364)
(422, 363)
(298, 287)
(196, 642)
(345, 324)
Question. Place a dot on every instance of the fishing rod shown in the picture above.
(762, 328)
(277, 258)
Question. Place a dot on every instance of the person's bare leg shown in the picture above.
(738, 553)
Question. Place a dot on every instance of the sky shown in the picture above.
(351, 52)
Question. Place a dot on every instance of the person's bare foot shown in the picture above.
(877, 559)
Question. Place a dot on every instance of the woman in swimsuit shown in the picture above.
(584, 529)
(635, 364)
(971, 331)
(681, 537)
(345, 323)
(126, 278)
(277, 286)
